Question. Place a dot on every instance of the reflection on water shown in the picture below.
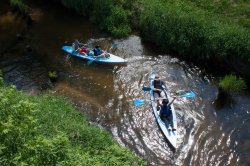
(205, 136)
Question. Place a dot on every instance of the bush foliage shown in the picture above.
(200, 30)
(232, 85)
(20, 5)
(109, 15)
(238, 10)
(47, 130)
(194, 33)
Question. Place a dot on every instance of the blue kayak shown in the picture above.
(112, 59)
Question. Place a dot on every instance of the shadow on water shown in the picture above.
(205, 136)
(223, 100)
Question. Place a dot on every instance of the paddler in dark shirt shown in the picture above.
(158, 89)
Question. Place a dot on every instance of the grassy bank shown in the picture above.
(47, 130)
(201, 31)
(111, 16)
(238, 11)
(197, 34)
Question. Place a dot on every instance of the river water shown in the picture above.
(206, 135)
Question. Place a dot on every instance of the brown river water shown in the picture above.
(206, 135)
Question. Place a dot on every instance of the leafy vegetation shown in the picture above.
(200, 30)
(47, 130)
(52, 74)
(232, 85)
(194, 33)
(109, 15)
(117, 23)
(238, 10)
(20, 5)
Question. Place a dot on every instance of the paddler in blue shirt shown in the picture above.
(97, 50)
(99, 53)
(158, 89)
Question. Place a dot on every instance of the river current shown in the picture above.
(207, 135)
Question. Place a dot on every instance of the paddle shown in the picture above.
(146, 88)
(141, 102)
(189, 94)
(92, 60)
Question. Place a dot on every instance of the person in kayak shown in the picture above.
(80, 48)
(99, 53)
(77, 45)
(97, 50)
(158, 89)
(166, 113)
(83, 50)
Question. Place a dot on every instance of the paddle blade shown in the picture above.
(190, 94)
(139, 102)
(90, 62)
(114, 45)
(146, 88)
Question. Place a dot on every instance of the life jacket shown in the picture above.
(83, 50)
(166, 110)
(91, 53)
(97, 51)
(158, 84)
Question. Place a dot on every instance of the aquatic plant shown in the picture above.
(232, 85)
(53, 75)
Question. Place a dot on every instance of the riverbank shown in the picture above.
(47, 130)
(107, 94)
(202, 32)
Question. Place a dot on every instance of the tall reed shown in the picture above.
(192, 32)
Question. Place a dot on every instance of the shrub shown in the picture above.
(194, 33)
(23, 8)
(231, 84)
(47, 130)
(52, 74)
(109, 15)
(117, 22)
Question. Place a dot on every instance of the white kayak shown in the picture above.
(171, 135)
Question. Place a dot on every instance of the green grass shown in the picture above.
(237, 10)
(196, 34)
(202, 31)
(232, 85)
(47, 130)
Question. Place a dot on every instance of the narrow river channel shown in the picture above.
(206, 135)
